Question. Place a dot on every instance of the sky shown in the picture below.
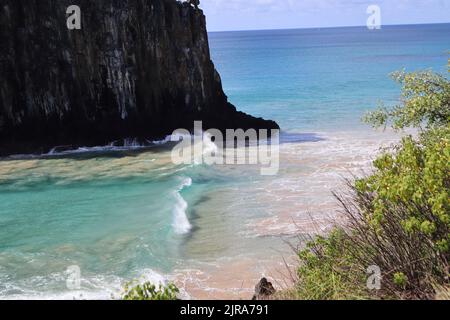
(225, 15)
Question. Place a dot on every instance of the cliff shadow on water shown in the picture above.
(135, 69)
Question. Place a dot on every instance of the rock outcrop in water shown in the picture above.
(136, 69)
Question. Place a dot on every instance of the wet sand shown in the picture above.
(297, 201)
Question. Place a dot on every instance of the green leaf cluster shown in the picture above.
(148, 291)
(398, 216)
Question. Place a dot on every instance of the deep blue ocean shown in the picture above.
(128, 215)
(323, 79)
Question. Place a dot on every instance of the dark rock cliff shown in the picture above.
(137, 68)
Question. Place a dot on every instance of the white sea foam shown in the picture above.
(122, 145)
(181, 222)
(92, 288)
(97, 287)
(161, 142)
(128, 144)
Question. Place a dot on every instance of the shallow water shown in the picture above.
(126, 214)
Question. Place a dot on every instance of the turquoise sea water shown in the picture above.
(323, 79)
(120, 215)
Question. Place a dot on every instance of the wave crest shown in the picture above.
(181, 222)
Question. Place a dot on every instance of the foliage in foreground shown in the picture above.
(398, 218)
(148, 291)
(328, 272)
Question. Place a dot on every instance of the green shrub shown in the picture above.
(398, 218)
(148, 291)
(400, 279)
(425, 97)
(328, 272)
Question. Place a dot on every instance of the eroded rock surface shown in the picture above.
(136, 69)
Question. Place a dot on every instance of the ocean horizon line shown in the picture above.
(334, 27)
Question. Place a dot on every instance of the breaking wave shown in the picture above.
(181, 224)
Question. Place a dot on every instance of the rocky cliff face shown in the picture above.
(137, 68)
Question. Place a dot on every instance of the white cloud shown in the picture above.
(256, 14)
